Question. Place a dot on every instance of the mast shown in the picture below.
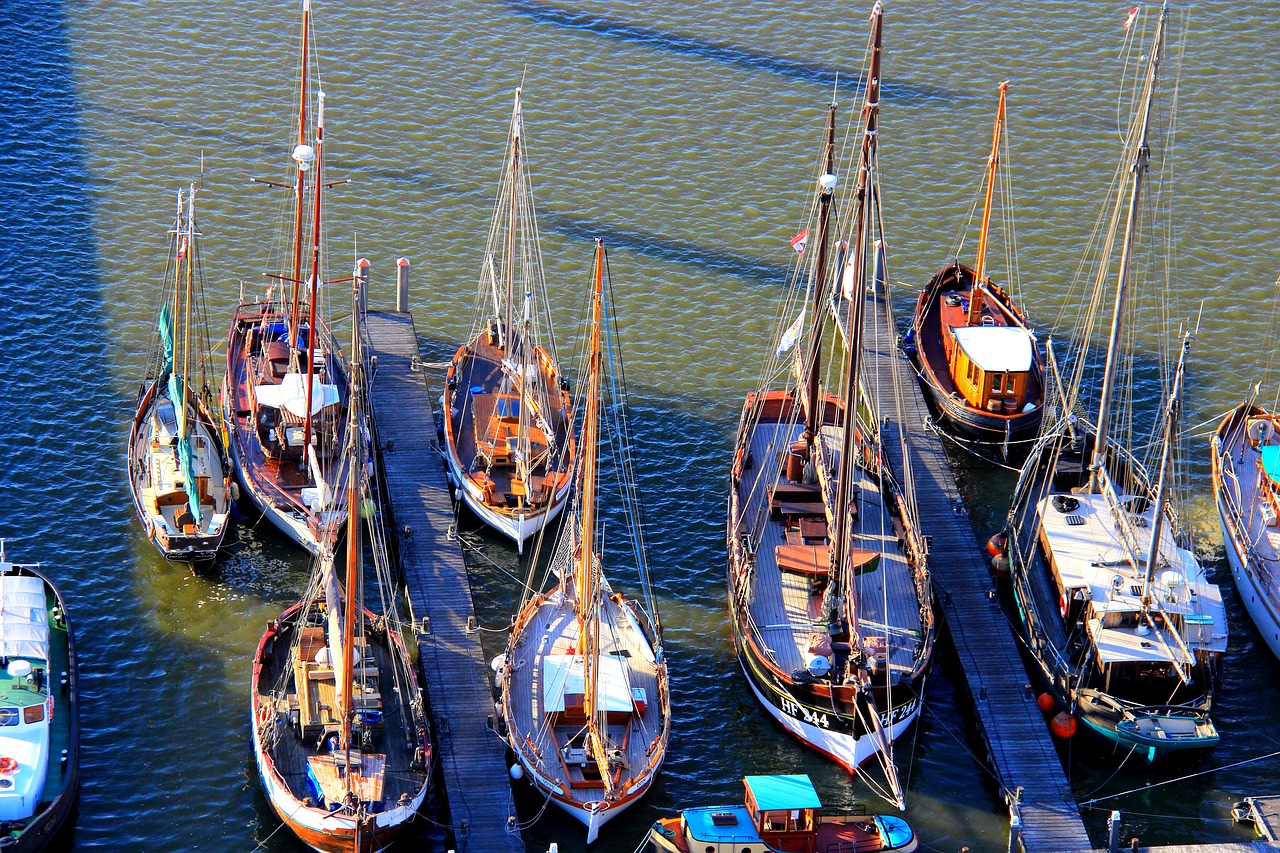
(1141, 162)
(826, 187)
(188, 249)
(587, 603)
(315, 279)
(979, 268)
(1166, 455)
(302, 154)
(353, 536)
(511, 222)
(857, 305)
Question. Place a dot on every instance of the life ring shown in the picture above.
(264, 715)
(1260, 431)
(1062, 605)
(8, 766)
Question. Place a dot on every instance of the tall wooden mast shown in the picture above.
(354, 553)
(1141, 162)
(980, 267)
(302, 155)
(826, 189)
(315, 278)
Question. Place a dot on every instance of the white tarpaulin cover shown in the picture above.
(996, 349)
(24, 623)
(562, 674)
(291, 394)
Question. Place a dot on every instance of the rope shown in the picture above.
(1234, 764)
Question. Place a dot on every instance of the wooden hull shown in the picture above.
(929, 354)
(480, 463)
(826, 715)
(1243, 512)
(281, 753)
(277, 484)
(198, 549)
(63, 780)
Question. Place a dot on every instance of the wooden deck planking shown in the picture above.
(1018, 741)
(471, 755)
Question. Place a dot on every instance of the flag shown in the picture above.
(182, 250)
(797, 242)
(875, 10)
(1133, 13)
(790, 335)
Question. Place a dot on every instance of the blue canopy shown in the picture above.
(782, 793)
(1271, 461)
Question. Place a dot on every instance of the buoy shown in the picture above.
(1001, 564)
(498, 662)
(1045, 702)
(996, 545)
(1062, 605)
(517, 772)
(1063, 725)
(8, 765)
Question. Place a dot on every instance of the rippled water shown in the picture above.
(681, 132)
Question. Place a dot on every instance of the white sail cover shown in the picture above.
(562, 674)
(291, 394)
(24, 623)
(996, 349)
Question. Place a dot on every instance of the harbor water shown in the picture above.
(683, 133)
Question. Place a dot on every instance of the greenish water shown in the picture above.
(683, 133)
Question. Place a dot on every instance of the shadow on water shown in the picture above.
(728, 54)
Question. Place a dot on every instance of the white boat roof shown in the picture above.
(996, 349)
(291, 394)
(1092, 563)
(562, 674)
(24, 622)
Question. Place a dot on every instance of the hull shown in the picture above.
(930, 352)
(1249, 541)
(482, 419)
(280, 480)
(198, 549)
(275, 735)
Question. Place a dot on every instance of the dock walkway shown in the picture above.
(471, 756)
(1018, 741)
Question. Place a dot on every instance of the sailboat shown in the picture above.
(339, 726)
(829, 592)
(1118, 613)
(507, 416)
(583, 678)
(285, 392)
(178, 473)
(1245, 452)
(39, 716)
(977, 359)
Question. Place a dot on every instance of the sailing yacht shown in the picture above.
(507, 417)
(339, 728)
(1115, 608)
(583, 678)
(178, 474)
(976, 357)
(285, 392)
(829, 592)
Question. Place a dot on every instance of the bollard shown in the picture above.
(362, 284)
(402, 285)
(1113, 832)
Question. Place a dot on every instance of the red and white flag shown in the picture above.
(1133, 13)
(797, 242)
(182, 250)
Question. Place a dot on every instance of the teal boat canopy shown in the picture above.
(1271, 461)
(781, 793)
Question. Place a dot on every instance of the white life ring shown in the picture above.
(1260, 431)
(1062, 605)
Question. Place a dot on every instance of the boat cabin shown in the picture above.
(1269, 483)
(991, 366)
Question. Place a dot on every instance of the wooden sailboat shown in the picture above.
(828, 584)
(285, 392)
(39, 709)
(584, 682)
(1245, 451)
(339, 726)
(976, 357)
(1115, 607)
(178, 473)
(507, 415)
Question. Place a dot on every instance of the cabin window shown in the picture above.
(8, 716)
(973, 373)
(33, 714)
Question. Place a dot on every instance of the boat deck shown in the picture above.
(1018, 741)
(454, 672)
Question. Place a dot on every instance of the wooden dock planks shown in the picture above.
(471, 755)
(1018, 741)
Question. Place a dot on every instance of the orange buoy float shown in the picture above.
(996, 545)
(1063, 725)
(1045, 702)
(8, 766)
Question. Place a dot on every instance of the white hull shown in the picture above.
(1251, 594)
(592, 819)
(518, 528)
(847, 751)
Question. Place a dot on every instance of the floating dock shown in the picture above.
(471, 756)
(1042, 809)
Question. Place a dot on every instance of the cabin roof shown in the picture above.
(291, 394)
(996, 349)
(735, 824)
(782, 792)
(562, 674)
(1271, 461)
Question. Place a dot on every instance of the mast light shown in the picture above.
(305, 155)
(828, 183)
